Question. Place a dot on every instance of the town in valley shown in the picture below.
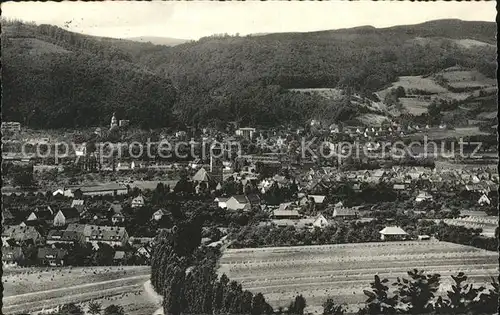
(146, 177)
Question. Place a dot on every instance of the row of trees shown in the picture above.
(357, 232)
(339, 233)
(185, 274)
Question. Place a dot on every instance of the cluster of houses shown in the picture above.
(49, 251)
(66, 224)
(47, 229)
(410, 179)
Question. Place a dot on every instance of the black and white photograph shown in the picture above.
(249, 158)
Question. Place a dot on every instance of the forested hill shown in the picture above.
(52, 78)
(231, 78)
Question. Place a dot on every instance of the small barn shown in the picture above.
(393, 233)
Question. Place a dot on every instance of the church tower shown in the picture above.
(114, 122)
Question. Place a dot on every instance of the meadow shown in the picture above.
(342, 271)
(35, 289)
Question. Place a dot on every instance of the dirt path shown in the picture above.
(153, 297)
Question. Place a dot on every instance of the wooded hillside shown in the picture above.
(54, 78)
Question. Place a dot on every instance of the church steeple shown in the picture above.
(114, 121)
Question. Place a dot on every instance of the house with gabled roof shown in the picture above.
(286, 214)
(111, 235)
(320, 221)
(112, 189)
(484, 200)
(242, 202)
(393, 233)
(423, 196)
(119, 257)
(19, 234)
(338, 205)
(138, 202)
(221, 202)
(12, 256)
(318, 199)
(399, 187)
(78, 204)
(144, 252)
(238, 202)
(378, 174)
(158, 214)
(54, 257)
(63, 192)
(115, 207)
(41, 215)
(344, 213)
(117, 218)
(287, 206)
(308, 199)
(201, 176)
(84, 229)
(64, 237)
(253, 199)
(66, 216)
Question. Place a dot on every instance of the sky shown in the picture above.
(192, 20)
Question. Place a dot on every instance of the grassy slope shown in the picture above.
(343, 271)
(457, 77)
(30, 289)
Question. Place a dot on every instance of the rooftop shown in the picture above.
(393, 230)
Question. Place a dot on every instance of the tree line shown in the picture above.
(357, 232)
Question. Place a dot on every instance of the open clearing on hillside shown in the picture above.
(343, 271)
(328, 93)
(436, 134)
(414, 106)
(460, 78)
(456, 77)
(487, 115)
(372, 119)
(32, 289)
(414, 82)
(39, 47)
(469, 43)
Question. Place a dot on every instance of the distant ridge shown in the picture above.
(249, 79)
(165, 41)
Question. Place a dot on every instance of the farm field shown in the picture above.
(343, 271)
(487, 115)
(372, 119)
(436, 134)
(414, 82)
(414, 106)
(34, 289)
(456, 77)
(488, 225)
(459, 78)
